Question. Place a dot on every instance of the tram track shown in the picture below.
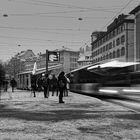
(128, 104)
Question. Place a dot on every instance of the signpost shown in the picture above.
(51, 56)
(46, 61)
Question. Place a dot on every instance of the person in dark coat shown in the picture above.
(67, 86)
(13, 84)
(62, 81)
(5, 85)
(33, 84)
(54, 85)
(45, 84)
(39, 84)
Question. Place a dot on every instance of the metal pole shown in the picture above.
(46, 61)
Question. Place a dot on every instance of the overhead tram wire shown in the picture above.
(84, 32)
(48, 40)
(113, 18)
(69, 6)
(117, 14)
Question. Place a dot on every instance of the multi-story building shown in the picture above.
(17, 62)
(84, 57)
(116, 43)
(25, 54)
(68, 59)
(136, 13)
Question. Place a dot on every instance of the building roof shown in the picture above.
(135, 10)
(117, 22)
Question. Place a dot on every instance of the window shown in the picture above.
(110, 55)
(113, 54)
(118, 41)
(122, 51)
(113, 43)
(103, 48)
(101, 58)
(110, 45)
(118, 53)
(107, 47)
(106, 56)
(121, 28)
(113, 33)
(98, 51)
(122, 39)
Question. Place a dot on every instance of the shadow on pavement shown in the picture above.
(60, 115)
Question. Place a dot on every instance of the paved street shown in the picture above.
(23, 117)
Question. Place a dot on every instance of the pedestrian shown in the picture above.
(45, 84)
(67, 86)
(54, 85)
(5, 85)
(33, 84)
(13, 84)
(62, 84)
(50, 82)
(39, 84)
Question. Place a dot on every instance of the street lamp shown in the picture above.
(80, 19)
(5, 15)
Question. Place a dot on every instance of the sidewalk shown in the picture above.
(24, 117)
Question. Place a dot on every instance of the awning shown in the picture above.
(81, 68)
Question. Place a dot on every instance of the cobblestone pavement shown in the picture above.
(23, 117)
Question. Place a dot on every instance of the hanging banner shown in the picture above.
(34, 68)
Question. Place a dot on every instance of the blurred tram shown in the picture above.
(107, 80)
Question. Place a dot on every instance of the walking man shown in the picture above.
(13, 84)
(62, 84)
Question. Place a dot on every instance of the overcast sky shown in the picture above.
(51, 24)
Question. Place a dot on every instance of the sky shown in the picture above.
(50, 24)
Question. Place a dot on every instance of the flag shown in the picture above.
(34, 68)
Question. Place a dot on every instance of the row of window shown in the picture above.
(73, 65)
(114, 54)
(110, 35)
(119, 40)
(73, 59)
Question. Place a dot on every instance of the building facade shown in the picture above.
(136, 13)
(68, 59)
(84, 57)
(116, 43)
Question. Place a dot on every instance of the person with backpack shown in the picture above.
(62, 81)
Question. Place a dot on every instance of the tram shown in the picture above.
(110, 79)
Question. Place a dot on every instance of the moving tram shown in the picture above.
(106, 80)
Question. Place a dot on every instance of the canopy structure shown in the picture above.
(114, 64)
(84, 67)
(43, 70)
